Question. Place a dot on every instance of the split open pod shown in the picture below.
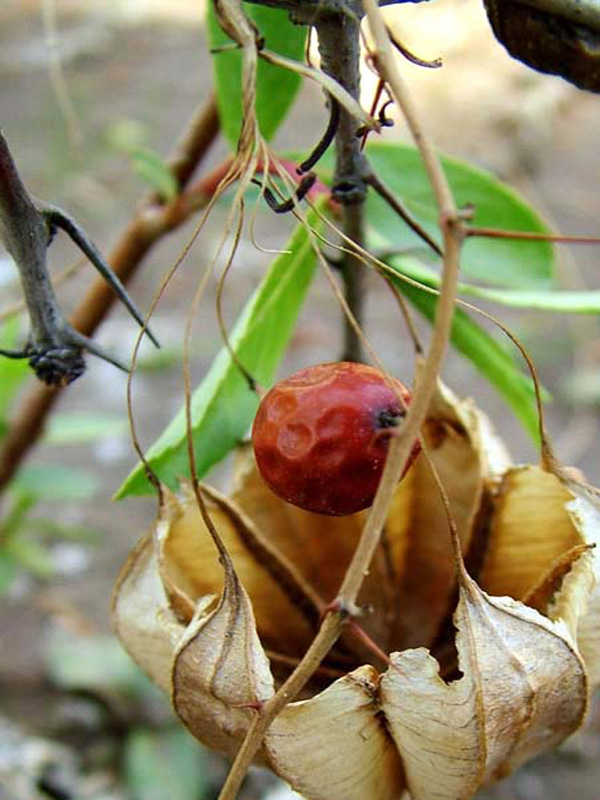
(492, 651)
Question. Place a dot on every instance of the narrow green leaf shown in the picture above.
(54, 483)
(539, 300)
(567, 302)
(164, 763)
(500, 262)
(488, 356)
(223, 406)
(12, 371)
(276, 87)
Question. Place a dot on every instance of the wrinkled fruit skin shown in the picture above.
(321, 436)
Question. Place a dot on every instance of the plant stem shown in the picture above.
(339, 46)
(353, 276)
(148, 226)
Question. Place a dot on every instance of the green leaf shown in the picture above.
(559, 302)
(276, 87)
(488, 356)
(223, 406)
(500, 262)
(539, 300)
(128, 136)
(12, 371)
(54, 483)
(153, 169)
(164, 763)
(77, 428)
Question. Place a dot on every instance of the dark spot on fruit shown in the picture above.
(389, 418)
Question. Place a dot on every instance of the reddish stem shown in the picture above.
(495, 233)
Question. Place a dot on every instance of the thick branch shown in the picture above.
(26, 235)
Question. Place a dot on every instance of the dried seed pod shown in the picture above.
(221, 636)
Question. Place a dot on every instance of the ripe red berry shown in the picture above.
(321, 436)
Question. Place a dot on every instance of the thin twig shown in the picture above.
(325, 140)
(533, 236)
(405, 311)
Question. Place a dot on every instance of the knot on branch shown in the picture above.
(58, 366)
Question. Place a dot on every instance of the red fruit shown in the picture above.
(321, 436)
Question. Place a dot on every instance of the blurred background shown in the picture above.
(85, 87)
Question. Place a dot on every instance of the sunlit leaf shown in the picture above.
(501, 262)
(12, 371)
(558, 302)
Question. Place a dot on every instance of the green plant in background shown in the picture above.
(24, 534)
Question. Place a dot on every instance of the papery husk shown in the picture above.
(203, 613)
(336, 745)
(212, 663)
(220, 671)
(141, 614)
(504, 709)
(545, 525)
